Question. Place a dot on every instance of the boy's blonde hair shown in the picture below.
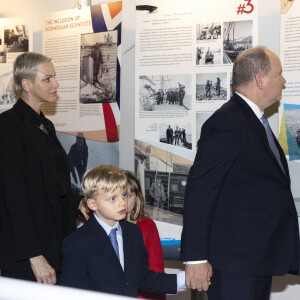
(102, 177)
(133, 186)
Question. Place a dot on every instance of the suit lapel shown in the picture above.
(260, 131)
(283, 160)
(102, 241)
(127, 244)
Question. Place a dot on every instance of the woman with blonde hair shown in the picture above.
(37, 208)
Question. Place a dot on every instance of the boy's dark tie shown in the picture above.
(113, 239)
(271, 140)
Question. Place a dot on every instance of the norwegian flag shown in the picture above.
(106, 17)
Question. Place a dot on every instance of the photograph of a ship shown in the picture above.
(237, 37)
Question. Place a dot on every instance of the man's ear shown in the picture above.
(259, 80)
(26, 84)
(91, 204)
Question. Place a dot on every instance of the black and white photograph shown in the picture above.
(163, 177)
(208, 55)
(237, 37)
(176, 134)
(98, 67)
(7, 91)
(201, 117)
(200, 55)
(231, 88)
(84, 154)
(16, 39)
(165, 92)
(211, 86)
(208, 31)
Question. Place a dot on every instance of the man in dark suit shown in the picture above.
(95, 258)
(240, 222)
(169, 134)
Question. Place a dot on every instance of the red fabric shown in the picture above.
(110, 123)
(153, 246)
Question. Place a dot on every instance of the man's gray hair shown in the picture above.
(25, 66)
(248, 64)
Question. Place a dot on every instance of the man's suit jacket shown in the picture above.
(90, 262)
(33, 200)
(239, 211)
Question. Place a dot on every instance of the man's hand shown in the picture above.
(197, 276)
(43, 272)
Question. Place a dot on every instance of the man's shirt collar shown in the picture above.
(252, 105)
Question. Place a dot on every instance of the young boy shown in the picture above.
(95, 259)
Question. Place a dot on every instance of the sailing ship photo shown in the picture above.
(237, 37)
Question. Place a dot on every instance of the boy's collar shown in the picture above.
(106, 227)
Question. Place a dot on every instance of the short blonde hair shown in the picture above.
(102, 177)
(25, 66)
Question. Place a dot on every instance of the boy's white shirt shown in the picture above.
(107, 229)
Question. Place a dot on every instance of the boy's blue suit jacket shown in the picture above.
(90, 262)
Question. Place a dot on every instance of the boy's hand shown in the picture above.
(43, 272)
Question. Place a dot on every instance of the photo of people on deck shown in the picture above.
(165, 92)
(237, 37)
(176, 134)
(208, 31)
(211, 86)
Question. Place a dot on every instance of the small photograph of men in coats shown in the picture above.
(98, 67)
(176, 134)
(211, 86)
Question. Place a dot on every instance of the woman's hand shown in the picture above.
(84, 208)
(43, 272)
